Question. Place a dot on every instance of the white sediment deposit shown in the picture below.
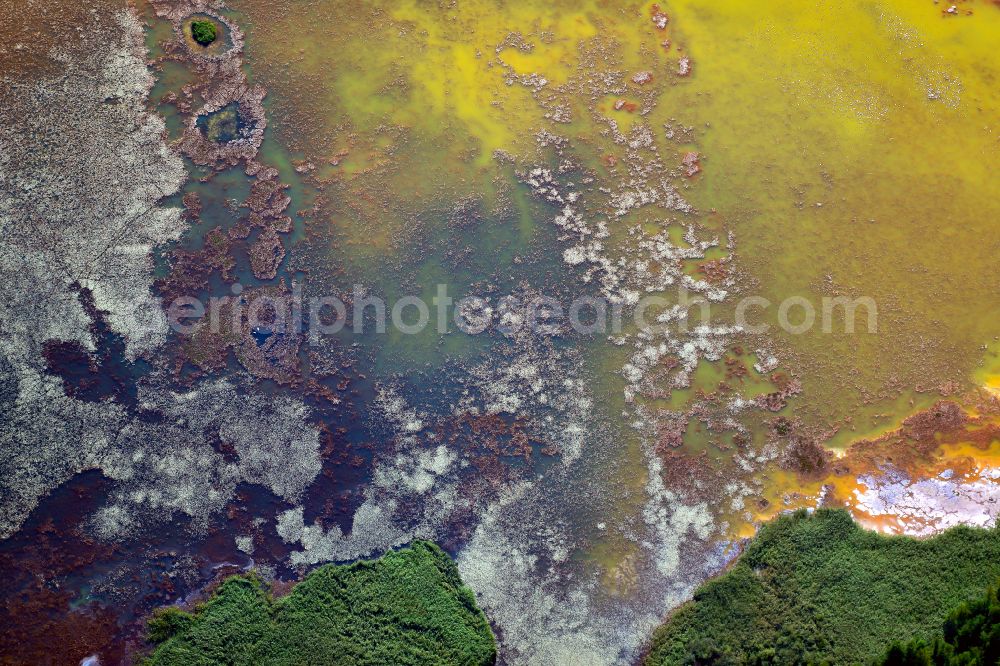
(923, 507)
(83, 167)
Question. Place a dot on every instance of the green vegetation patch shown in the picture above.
(970, 636)
(819, 589)
(203, 31)
(408, 607)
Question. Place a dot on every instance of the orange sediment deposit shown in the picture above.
(940, 468)
(928, 437)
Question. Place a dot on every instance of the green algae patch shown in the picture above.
(203, 32)
(817, 588)
(408, 607)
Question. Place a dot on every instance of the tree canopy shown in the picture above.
(203, 31)
(819, 589)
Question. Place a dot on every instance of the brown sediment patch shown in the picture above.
(30, 38)
(267, 203)
(191, 270)
(715, 271)
(917, 443)
(777, 400)
(670, 431)
(266, 254)
(692, 475)
(258, 326)
(39, 625)
(802, 450)
(41, 622)
(192, 207)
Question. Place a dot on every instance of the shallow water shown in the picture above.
(845, 149)
(848, 148)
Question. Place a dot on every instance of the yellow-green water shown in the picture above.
(850, 148)
(828, 103)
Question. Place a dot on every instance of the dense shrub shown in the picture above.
(818, 589)
(970, 637)
(167, 623)
(409, 607)
(203, 32)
